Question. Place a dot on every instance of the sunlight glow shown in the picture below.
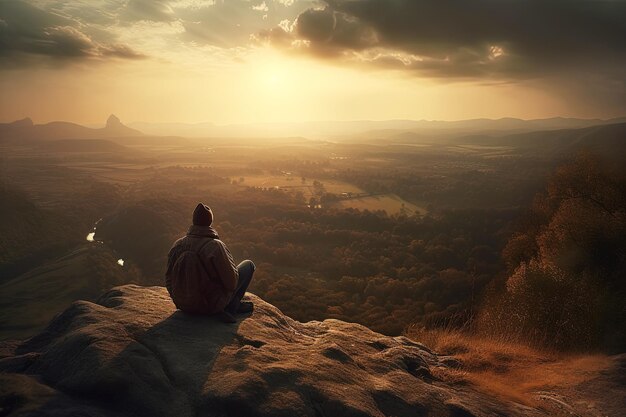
(495, 52)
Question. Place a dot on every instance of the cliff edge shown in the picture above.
(133, 354)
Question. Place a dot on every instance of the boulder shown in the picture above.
(133, 354)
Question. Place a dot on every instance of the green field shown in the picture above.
(294, 183)
(390, 203)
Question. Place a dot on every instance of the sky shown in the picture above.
(250, 61)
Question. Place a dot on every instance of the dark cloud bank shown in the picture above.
(28, 34)
(485, 39)
(61, 31)
(509, 39)
(575, 47)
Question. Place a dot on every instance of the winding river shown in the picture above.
(91, 238)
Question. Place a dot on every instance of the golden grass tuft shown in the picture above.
(505, 368)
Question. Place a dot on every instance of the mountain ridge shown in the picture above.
(25, 129)
(318, 129)
(383, 129)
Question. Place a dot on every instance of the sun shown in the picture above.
(273, 79)
(273, 76)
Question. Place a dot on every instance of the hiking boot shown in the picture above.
(245, 307)
(226, 317)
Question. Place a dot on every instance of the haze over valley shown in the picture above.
(280, 202)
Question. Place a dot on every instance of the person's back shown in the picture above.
(201, 275)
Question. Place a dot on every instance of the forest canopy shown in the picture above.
(567, 286)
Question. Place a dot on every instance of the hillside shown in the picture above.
(83, 145)
(30, 300)
(604, 140)
(132, 353)
(29, 233)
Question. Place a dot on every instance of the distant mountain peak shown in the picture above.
(115, 127)
(25, 122)
(26, 129)
(114, 121)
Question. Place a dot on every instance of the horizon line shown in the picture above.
(215, 124)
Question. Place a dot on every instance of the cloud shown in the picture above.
(149, 10)
(514, 39)
(230, 23)
(192, 4)
(28, 34)
(47, 32)
(119, 51)
(262, 7)
(63, 41)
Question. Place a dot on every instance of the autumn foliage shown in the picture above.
(566, 286)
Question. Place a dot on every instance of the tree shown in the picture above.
(568, 267)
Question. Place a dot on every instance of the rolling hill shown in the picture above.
(373, 129)
(29, 301)
(82, 145)
(604, 140)
(25, 129)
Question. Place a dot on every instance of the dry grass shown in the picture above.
(507, 369)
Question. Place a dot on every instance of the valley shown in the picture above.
(341, 229)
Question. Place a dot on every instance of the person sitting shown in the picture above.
(201, 274)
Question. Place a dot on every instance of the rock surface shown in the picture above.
(133, 354)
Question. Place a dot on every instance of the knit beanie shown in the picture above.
(202, 215)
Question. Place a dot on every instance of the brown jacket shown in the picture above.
(217, 260)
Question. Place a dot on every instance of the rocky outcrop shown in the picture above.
(132, 354)
(114, 127)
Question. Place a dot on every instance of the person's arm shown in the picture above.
(225, 266)
(170, 263)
